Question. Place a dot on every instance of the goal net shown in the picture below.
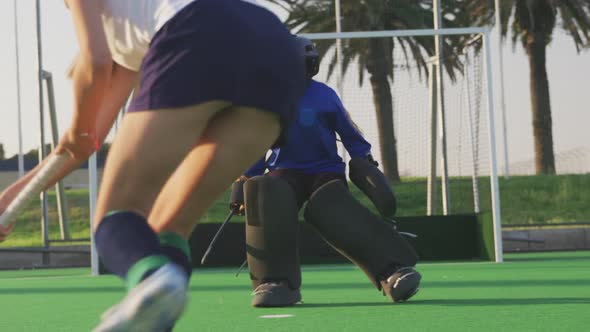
(387, 81)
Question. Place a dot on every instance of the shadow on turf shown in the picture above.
(62, 290)
(502, 283)
(449, 302)
(503, 301)
(341, 305)
(195, 287)
(517, 259)
(425, 284)
(245, 288)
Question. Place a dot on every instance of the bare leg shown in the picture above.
(147, 150)
(176, 161)
(232, 142)
(169, 158)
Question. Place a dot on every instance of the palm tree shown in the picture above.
(532, 22)
(375, 55)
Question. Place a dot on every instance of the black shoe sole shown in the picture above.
(407, 287)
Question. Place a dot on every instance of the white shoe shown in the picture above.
(152, 306)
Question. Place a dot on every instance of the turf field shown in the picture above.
(539, 199)
(530, 292)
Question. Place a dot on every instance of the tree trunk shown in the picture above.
(382, 99)
(541, 108)
(384, 109)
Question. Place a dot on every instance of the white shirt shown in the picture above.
(130, 25)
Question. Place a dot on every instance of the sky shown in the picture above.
(568, 72)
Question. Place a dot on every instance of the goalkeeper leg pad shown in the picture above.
(368, 241)
(272, 231)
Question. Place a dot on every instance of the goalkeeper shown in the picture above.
(309, 169)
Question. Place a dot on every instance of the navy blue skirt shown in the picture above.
(226, 50)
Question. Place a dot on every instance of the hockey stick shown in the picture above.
(32, 189)
(231, 213)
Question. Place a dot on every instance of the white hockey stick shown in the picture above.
(32, 189)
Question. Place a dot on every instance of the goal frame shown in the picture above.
(495, 193)
(484, 32)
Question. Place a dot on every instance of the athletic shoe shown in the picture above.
(275, 294)
(152, 306)
(402, 284)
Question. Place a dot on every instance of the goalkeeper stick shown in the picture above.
(231, 213)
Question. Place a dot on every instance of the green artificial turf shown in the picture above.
(540, 199)
(530, 292)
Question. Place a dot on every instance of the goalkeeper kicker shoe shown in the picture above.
(402, 284)
(153, 305)
(275, 294)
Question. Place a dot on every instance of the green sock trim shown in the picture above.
(176, 241)
(110, 213)
(143, 266)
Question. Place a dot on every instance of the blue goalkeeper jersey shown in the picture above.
(311, 145)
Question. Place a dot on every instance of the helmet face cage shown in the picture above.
(311, 55)
(312, 65)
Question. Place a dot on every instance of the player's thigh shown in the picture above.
(148, 148)
(233, 140)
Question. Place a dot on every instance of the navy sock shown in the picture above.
(128, 247)
(177, 249)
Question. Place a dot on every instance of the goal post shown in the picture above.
(471, 141)
(469, 114)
